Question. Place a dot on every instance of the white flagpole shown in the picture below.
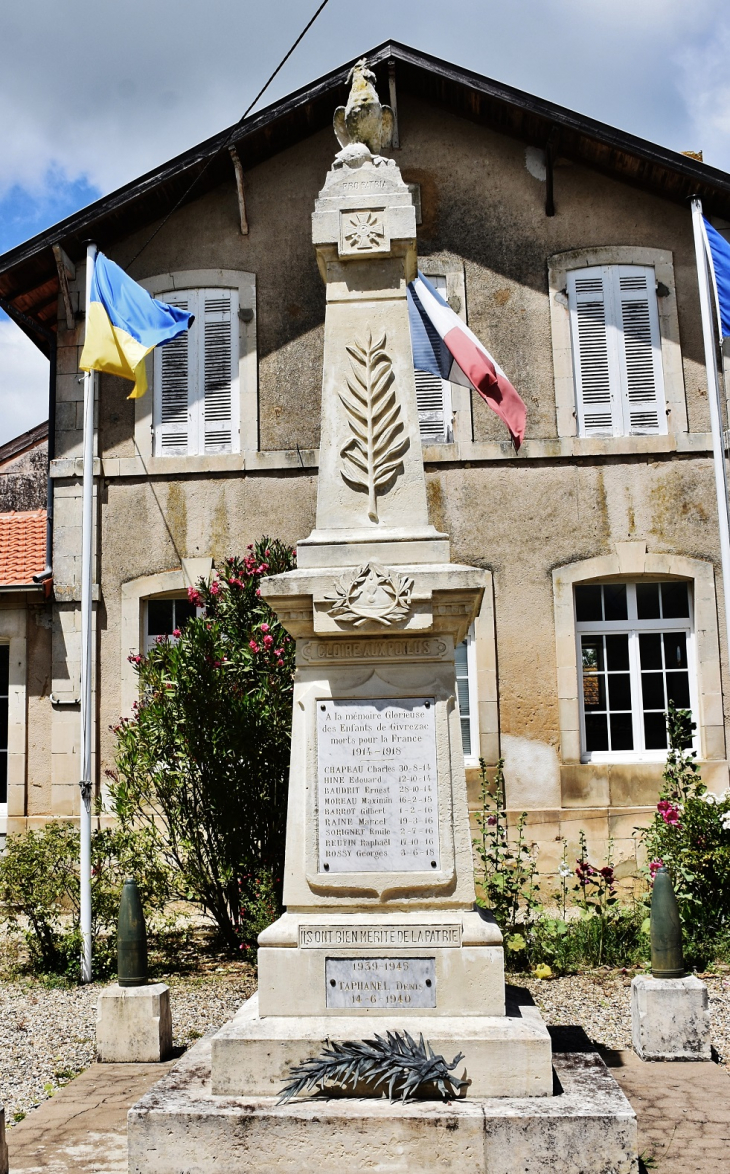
(87, 554)
(713, 396)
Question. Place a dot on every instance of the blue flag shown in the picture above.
(720, 253)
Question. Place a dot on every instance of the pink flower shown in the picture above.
(195, 597)
(669, 812)
(491, 821)
(268, 641)
(215, 588)
(176, 633)
(258, 590)
(654, 867)
(278, 652)
(280, 663)
(253, 645)
(264, 627)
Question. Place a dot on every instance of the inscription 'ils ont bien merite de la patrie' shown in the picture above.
(377, 785)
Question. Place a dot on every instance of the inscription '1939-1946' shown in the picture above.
(396, 984)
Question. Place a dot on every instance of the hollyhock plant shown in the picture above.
(204, 764)
(669, 812)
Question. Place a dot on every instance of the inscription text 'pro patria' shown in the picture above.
(378, 794)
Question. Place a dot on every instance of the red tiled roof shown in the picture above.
(22, 547)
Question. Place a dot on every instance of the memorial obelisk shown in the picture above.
(380, 929)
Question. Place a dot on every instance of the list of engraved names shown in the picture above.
(378, 796)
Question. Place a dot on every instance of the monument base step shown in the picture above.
(504, 1055)
(587, 1127)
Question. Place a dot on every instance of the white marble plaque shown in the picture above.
(378, 794)
(383, 983)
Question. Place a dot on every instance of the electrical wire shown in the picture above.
(230, 136)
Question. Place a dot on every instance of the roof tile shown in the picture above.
(22, 547)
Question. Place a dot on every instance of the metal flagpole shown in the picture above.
(713, 395)
(87, 552)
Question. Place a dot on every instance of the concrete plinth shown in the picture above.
(3, 1145)
(588, 1127)
(505, 1055)
(670, 1019)
(134, 1024)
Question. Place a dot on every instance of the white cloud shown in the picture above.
(23, 383)
(706, 86)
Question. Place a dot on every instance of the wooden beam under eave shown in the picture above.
(65, 269)
(240, 191)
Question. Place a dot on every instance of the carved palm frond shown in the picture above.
(374, 454)
(398, 1062)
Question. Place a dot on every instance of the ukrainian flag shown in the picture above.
(124, 323)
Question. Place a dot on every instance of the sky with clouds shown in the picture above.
(89, 101)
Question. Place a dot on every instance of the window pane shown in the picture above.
(159, 617)
(675, 650)
(617, 652)
(614, 601)
(655, 731)
(647, 601)
(4, 669)
(184, 611)
(4, 724)
(678, 689)
(592, 650)
(462, 690)
(622, 732)
(3, 777)
(675, 603)
(596, 732)
(588, 604)
(650, 650)
(619, 691)
(594, 691)
(652, 690)
(466, 735)
(460, 659)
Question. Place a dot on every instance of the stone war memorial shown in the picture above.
(381, 931)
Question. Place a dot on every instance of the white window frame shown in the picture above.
(149, 641)
(633, 627)
(472, 759)
(194, 300)
(614, 300)
(247, 407)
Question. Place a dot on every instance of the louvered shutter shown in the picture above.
(433, 401)
(597, 390)
(640, 352)
(219, 370)
(174, 384)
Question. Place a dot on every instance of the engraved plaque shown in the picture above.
(358, 936)
(360, 984)
(377, 789)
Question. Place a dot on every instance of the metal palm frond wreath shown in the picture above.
(397, 1061)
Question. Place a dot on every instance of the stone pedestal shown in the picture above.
(134, 1024)
(589, 1128)
(3, 1144)
(670, 1019)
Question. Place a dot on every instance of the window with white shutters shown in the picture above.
(466, 683)
(433, 394)
(196, 378)
(616, 351)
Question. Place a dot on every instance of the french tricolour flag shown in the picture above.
(445, 346)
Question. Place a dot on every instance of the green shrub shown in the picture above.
(690, 834)
(203, 764)
(39, 892)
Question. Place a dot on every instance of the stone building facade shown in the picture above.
(567, 246)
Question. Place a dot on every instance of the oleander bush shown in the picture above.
(202, 765)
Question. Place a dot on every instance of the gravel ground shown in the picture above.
(600, 1002)
(47, 1036)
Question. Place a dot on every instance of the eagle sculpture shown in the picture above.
(363, 119)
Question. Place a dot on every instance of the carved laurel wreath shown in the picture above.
(374, 454)
(356, 596)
